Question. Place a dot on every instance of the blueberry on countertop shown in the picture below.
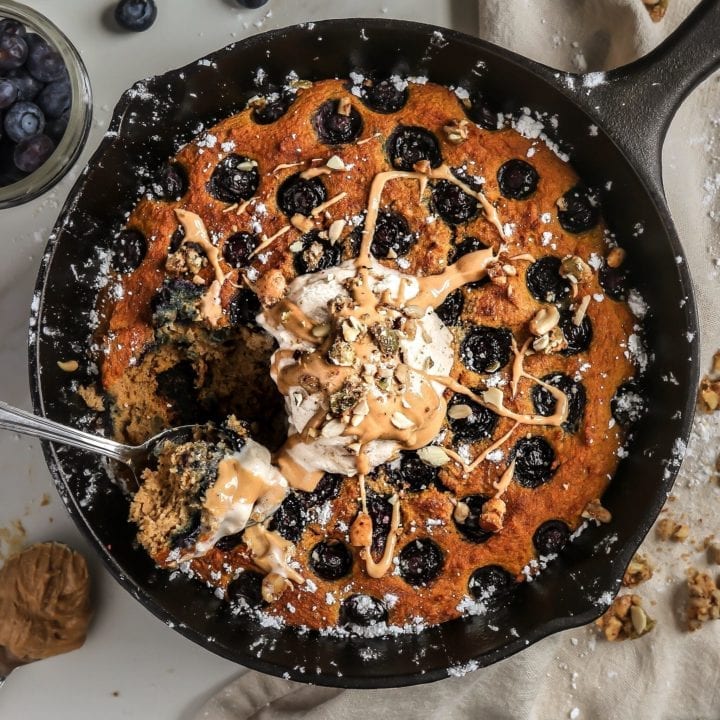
(23, 120)
(135, 15)
(252, 4)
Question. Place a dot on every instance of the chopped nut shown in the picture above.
(704, 600)
(310, 383)
(401, 421)
(336, 163)
(459, 412)
(493, 515)
(616, 257)
(342, 353)
(544, 321)
(433, 455)
(300, 84)
(639, 619)
(344, 106)
(385, 338)
(595, 511)
(347, 397)
(554, 341)
(456, 131)
(335, 230)
(91, 397)
(639, 570)
(273, 586)
(710, 394)
(625, 619)
(302, 223)
(247, 165)
(414, 311)
(579, 315)
(461, 512)
(295, 247)
(320, 331)
(333, 428)
(668, 529)
(68, 365)
(575, 269)
(349, 332)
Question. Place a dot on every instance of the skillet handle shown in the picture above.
(636, 103)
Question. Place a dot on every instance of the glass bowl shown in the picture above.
(73, 141)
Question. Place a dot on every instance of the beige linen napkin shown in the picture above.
(669, 673)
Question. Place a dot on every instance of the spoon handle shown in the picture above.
(28, 424)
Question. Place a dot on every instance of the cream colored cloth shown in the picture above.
(670, 673)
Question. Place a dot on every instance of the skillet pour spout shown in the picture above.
(631, 113)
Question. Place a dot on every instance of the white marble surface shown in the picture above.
(132, 665)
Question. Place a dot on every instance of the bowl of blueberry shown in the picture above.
(45, 104)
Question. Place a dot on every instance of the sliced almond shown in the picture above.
(579, 315)
(616, 257)
(544, 321)
(335, 231)
(320, 331)
(414, 311)
(461, 512)
(639, 619)
(302, 223)
(401, 421)
(433, 455)
(459, 412)
(344, 106)
(331, 429)
(336, 163)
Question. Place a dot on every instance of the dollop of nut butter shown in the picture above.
(44, 601)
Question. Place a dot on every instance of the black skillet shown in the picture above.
(632, 109)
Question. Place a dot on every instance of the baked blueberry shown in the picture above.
(171, 182)
(452, 204)
(578, 337)
(234, 179)
(411, 472)
(490, 582)
(27, 86)
(384, 96)
(177, 386)
(185, 537)
(517, 179)
(129, 249)
(8, 26)
(244, 307)
(31, 153)
(551, 537)
(330, 560)
(615, 281)
(237, 248)
(44, 62)
(246, 588)
(274, 107)
(299, 196)
(545, 403)
(451, 308)
(483, 112)
(334, 127)
(478, 423)
(420, 561)
(176, 301)
(176, 239)
(392, 235)
(229, 542)
(23, 120)
(55, 98)
(135, 15)
(380, 511)
(486, 349)
(290, 518)
(578, 209)
(544, 280)
(327, 489)
(470, 526)
(534, 461)
(466, 246)
(363, 610)
(409, 145)
(316, 254)
(13, 51)
(628, 404)
(8, 93)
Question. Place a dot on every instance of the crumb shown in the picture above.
(68, 365)
(704, 599)
(45, 500)
(639, 570)
(709, 394)
(625, 619)
(668, 529)
(656, 8)
(713, 554)
(115, 693)
(91, 397)
(595, 511)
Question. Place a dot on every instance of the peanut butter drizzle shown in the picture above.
(267, 241)
(210, 306)
(195, 232)
(293, 319)
(506, 478)
(328, 203)
(272, 554)
(483, 455)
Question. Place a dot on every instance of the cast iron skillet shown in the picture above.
(631, 108)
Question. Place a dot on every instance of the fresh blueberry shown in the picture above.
(578, 209)
(299, 196)
(392, 235)
(171, 182)
(486, 349)
(8, 26)
(8, 93)
(534, 461)
(470, 526)
(236, 250)
(330, 559)
(363, 610)
(23, 120)
(135, 15)
(551, 537)
(409, 145)
(479, 424)
(335, 128)
(27, 86)
(412, 473)
(628, 404)
(384, 96)
(316, 254)
(44, 62)
(483, 112)
(234, 179)
(290, 518)
(55, 99)
(490, 583)
(517, 179)
(420, 561)
(578, 337)
(452, 204)
(246, 588)
(129, 248)
(244, 308)
(13, 51)
(545, 403)
(251, 4)
(451, 308)
(31, 153)
(544, 280)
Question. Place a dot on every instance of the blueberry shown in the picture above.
(55, 99)
(470, 526)
(578, 337)
(335, 128)
(237, 248)
(13, 51)
(185, 537)
(135, 15)
(551, 537)
(578, 209)
(229, 542)
(244, 308)
(384, 97)
(23, 120)
(171, 182)
(316, 254)
(380, 511)
(545, 403)
(175, 302)
(246, 588)
(544, 280)
(129, 249)
(230, 183)
(8, 26)
(615, 281)
(452, 204)
(27, 86)
(628, 404)
(251, 4)
(276, 104)
(451, 308)
(327, 489)
(8, 93)
(483, 112)
(290, 518)
(299, 196)
(534, 461)
(486, 349)
(517, 179)
(44, 63)
(420, 561)
(392, 233)
(331, 560)
(411, 473)
(363, 610)
(490, 583)
(176, 239)
(30, 154)
(409, 145)
(177, 386)
(479, 424)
